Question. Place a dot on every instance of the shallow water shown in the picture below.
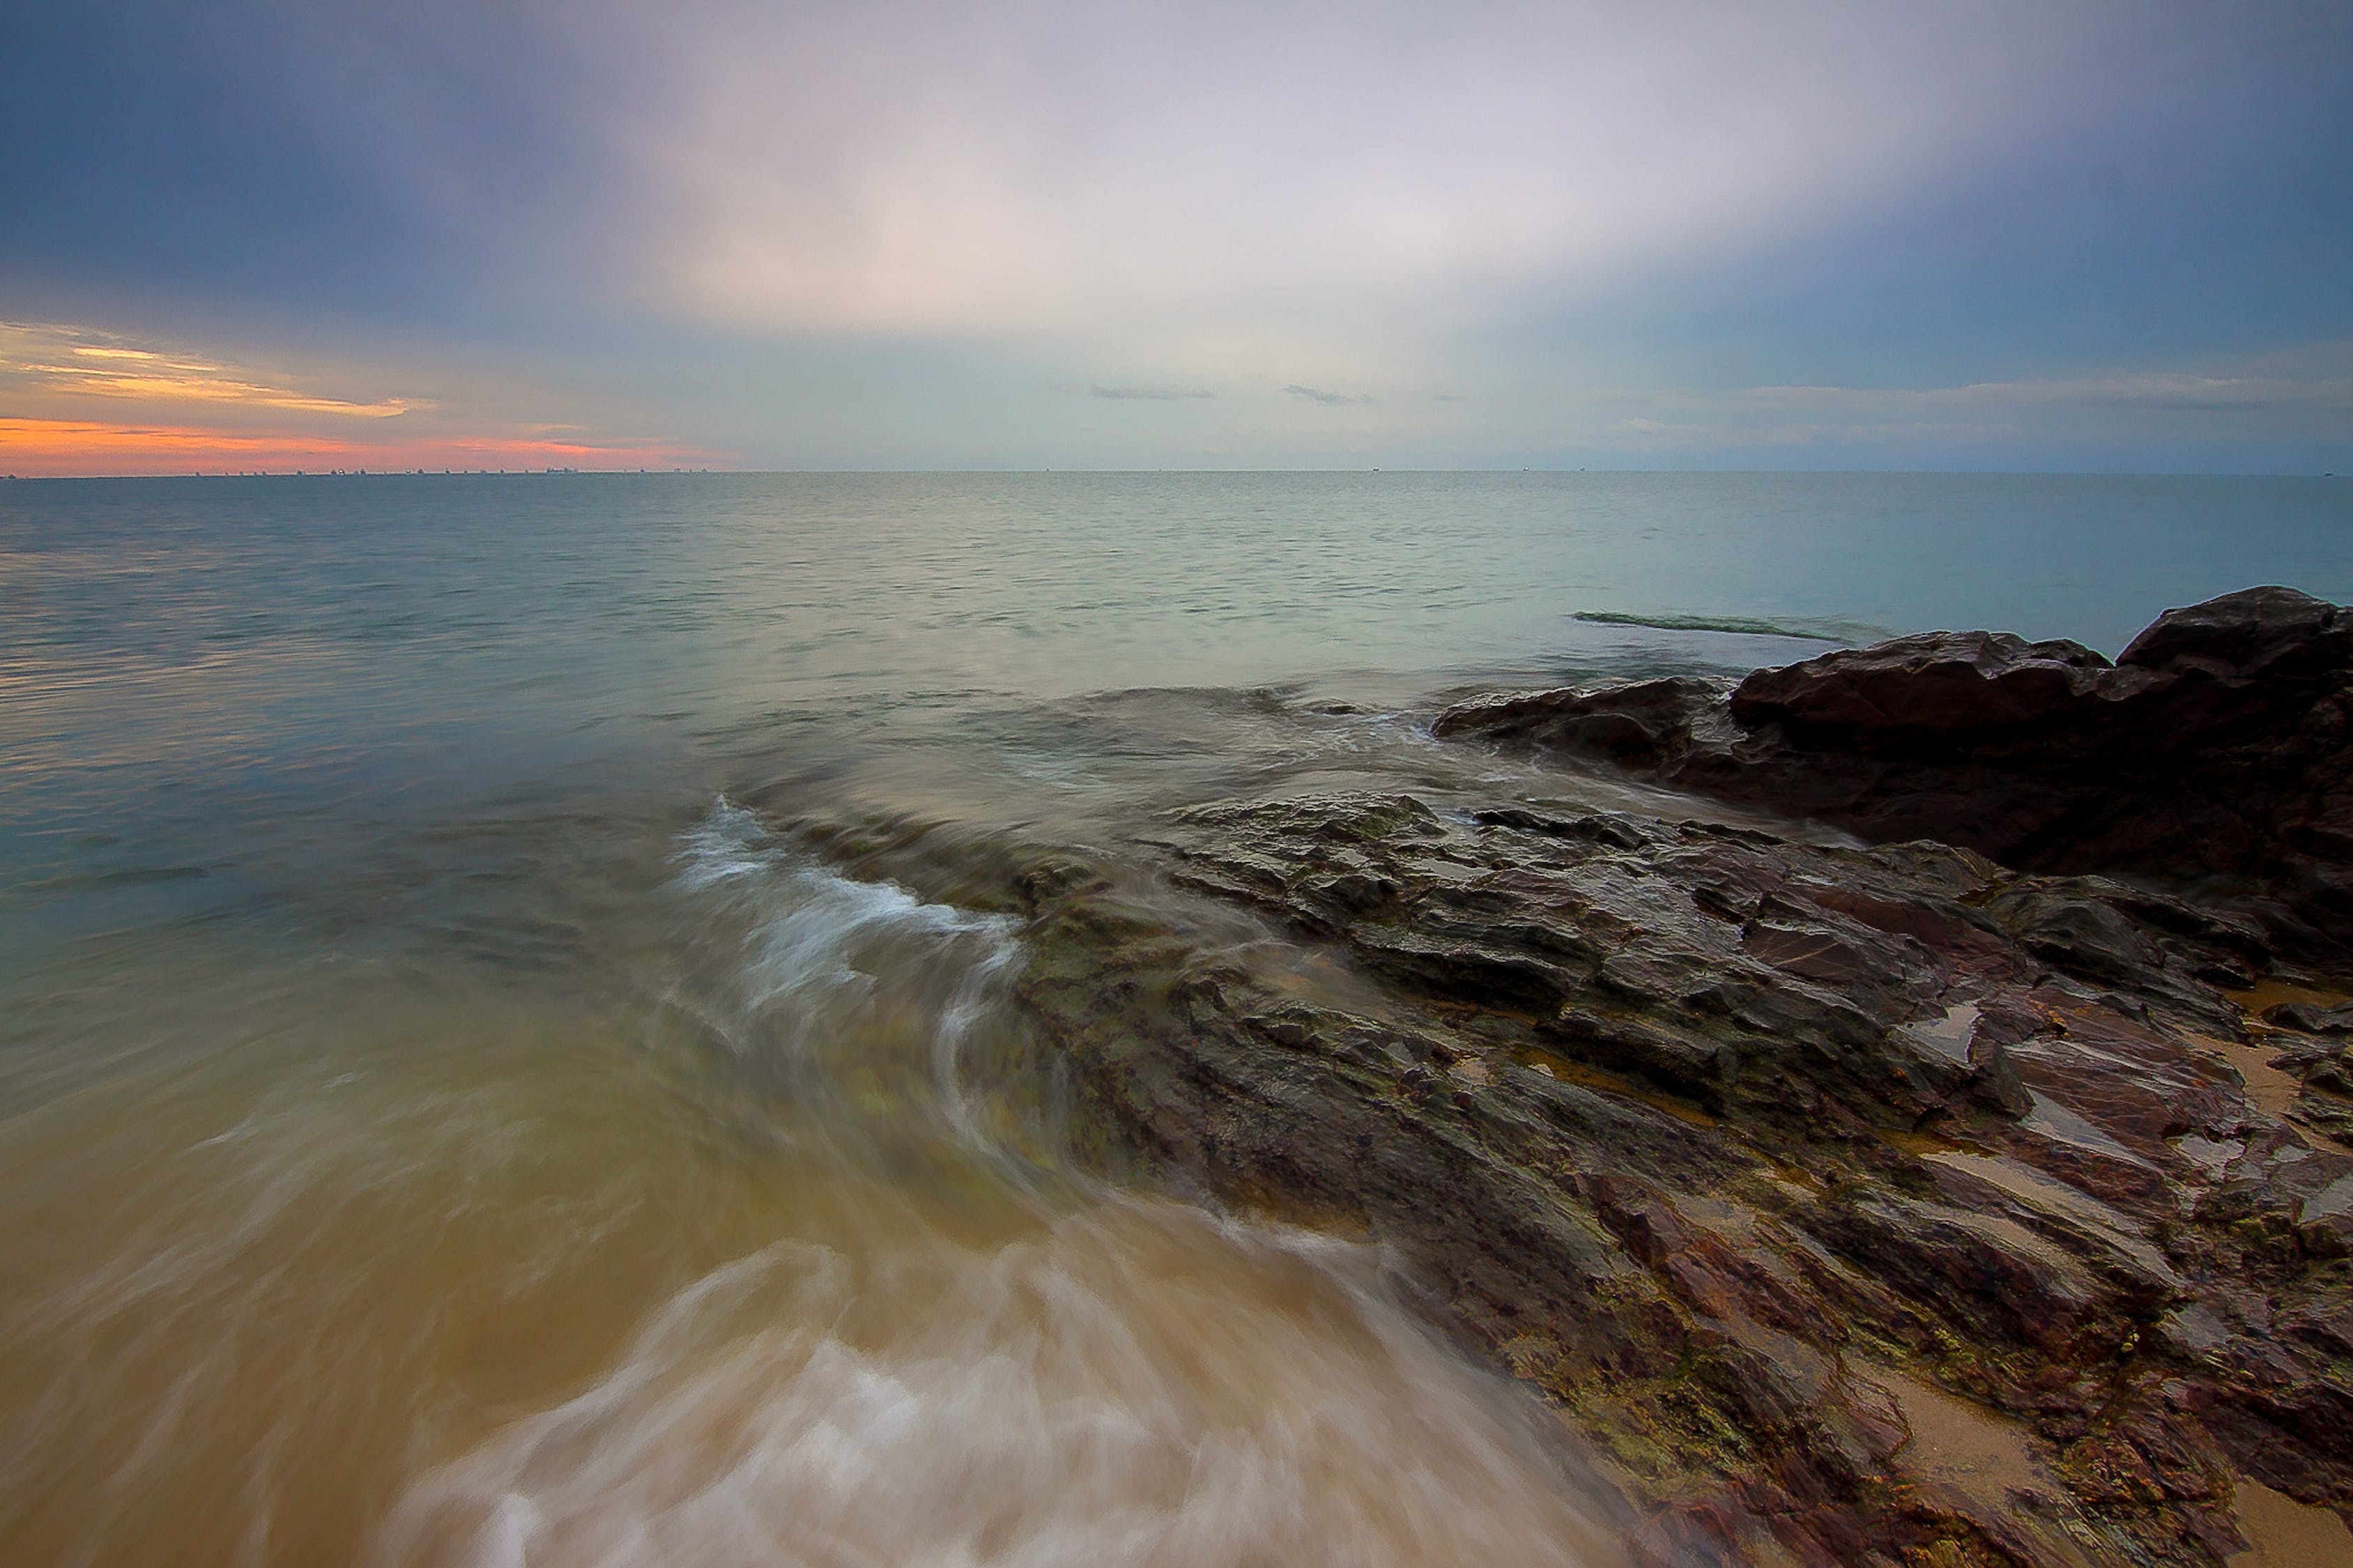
(447, 1117)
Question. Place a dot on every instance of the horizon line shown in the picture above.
(678, 472)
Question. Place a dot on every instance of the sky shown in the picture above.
(2053, 236)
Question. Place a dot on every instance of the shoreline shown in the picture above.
(1879, 1203)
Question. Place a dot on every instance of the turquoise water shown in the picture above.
(401, 1018)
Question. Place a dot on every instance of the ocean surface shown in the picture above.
(448, 1116)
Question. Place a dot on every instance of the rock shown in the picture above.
(2083, 936)
(1639, 1108)
(2309, 1018)
(1713, 1136)
(1982, 1272)
(1938, 684)
(2216, 753)
(1642, 721)
(2238, 635)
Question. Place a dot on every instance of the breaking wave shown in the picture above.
(824, 977)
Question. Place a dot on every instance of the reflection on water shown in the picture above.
(734, 1273)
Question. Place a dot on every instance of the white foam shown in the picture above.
(820, 953)
(1138, 1385)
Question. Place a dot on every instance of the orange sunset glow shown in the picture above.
(81, 401)
(60, 447)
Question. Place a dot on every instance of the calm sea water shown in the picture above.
(441, 1122)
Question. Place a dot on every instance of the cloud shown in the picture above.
(2162, 389)
(1149, 394)
(2021, 419)
(80, 400)
(2181, 391)
(77, 361)
(1065, 167)
(912, 231)
(960, 167)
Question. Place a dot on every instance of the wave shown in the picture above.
(1137, 1384)
(826, 980)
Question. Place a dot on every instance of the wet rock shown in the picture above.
(1713, 1136)
(1643, 1112)
(1983, 1272)
(1937, 684)
(2215, 752)
(2239, 636)
(2083, 936)
(2307, 1017)
(1647, 722)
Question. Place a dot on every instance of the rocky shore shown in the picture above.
(2215, 754)
(1964, 1178)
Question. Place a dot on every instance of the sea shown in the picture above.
(453, 1112)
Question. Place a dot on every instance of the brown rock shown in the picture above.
(2213, 754)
